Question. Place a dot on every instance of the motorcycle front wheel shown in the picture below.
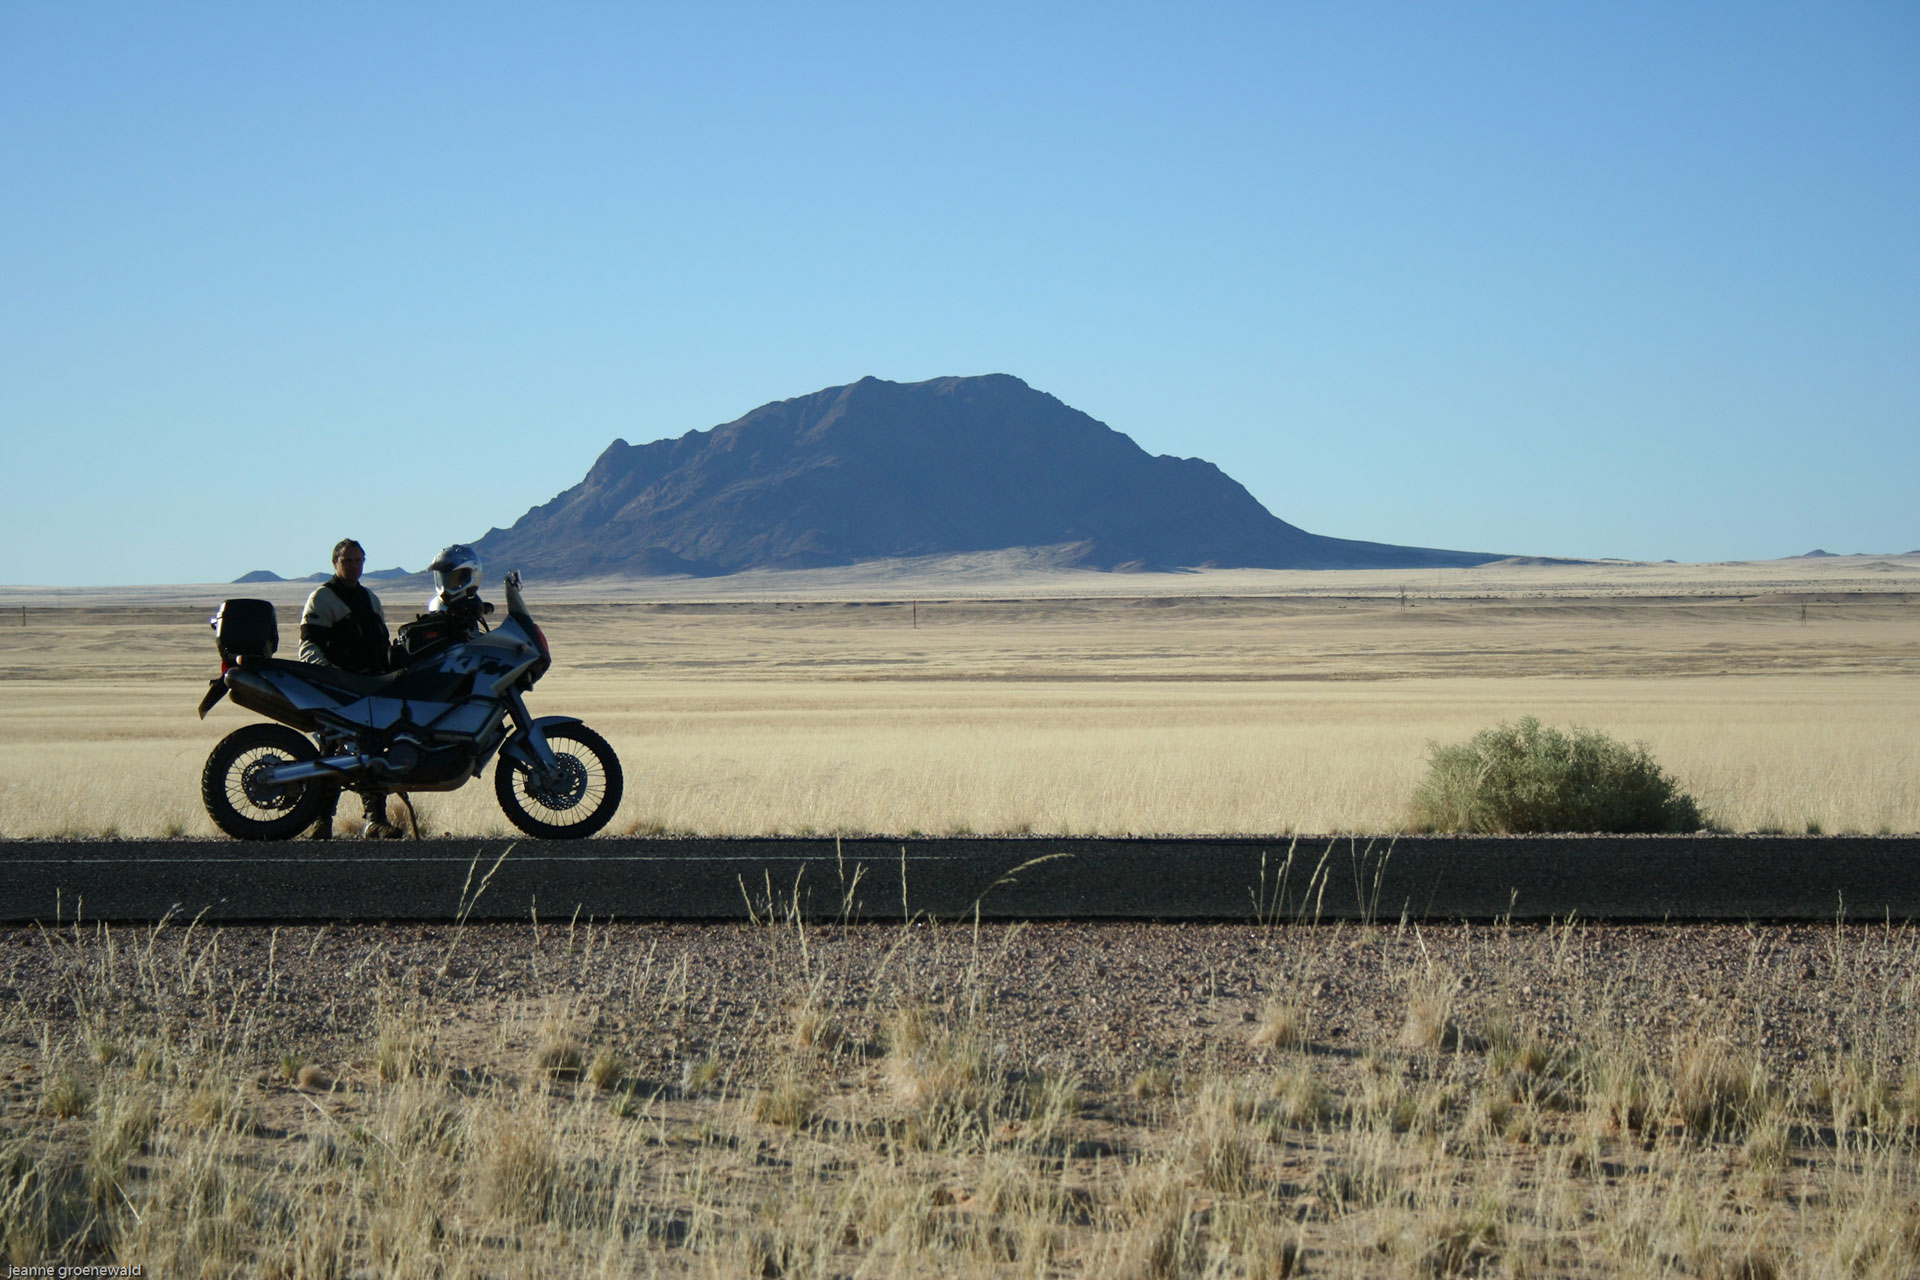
(574, 804)
(240, 800)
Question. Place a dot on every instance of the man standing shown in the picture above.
(344, 626)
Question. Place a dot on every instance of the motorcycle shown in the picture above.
(430, 727)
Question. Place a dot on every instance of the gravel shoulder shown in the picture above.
(1104, 1000)
(1059, 1099)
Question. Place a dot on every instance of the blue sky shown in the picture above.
(1636, 280)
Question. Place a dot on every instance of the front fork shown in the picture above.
(544, 766)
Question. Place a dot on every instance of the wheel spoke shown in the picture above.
(240, 799)
(576, 799)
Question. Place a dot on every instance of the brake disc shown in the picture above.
(564, 788)
(261, 793)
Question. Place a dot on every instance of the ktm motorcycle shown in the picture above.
(430, 727)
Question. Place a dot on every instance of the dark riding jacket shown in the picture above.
(344, 626)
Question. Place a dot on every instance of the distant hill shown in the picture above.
(881, 470)
(268, 575)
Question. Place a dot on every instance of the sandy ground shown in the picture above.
(1026, 575)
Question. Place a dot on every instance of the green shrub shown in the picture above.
(1528, 777)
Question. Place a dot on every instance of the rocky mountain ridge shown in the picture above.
(880, 470)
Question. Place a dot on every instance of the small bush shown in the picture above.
(1527, 777)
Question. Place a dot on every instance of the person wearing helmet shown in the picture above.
(456, 582)
(344, 626)
(455, 610)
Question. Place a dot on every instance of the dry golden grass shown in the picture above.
(1529, 1104)
(1152, 714)
(1560, 1136)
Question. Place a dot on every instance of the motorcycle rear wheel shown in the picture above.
(579, 803)
(243, 806)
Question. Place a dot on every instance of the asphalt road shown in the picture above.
(1814, 878)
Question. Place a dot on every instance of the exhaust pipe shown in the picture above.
(401, 759)
(329, 767)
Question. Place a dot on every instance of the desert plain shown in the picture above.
(583, 1097)
(1781, 695)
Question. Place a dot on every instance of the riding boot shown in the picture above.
(378, 828)
(323, 821)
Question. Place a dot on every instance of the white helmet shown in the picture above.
(456, 576)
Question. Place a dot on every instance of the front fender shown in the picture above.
(519, 747)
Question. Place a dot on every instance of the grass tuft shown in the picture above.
(66, 1095)
(1151, 1083)
(404, 1049)
(606, 1070)
(559, 1059)
(788, 1104)
(1282, 1025)
(1714, 1094)
(1300, 1100)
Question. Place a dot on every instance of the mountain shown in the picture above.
(268, 575)
(879, 470)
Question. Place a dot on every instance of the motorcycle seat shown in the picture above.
(418, 684)
(326, 677)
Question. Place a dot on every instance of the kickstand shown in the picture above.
(412, 821)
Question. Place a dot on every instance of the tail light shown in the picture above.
(226, 663)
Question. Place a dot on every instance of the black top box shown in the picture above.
(246, 629)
